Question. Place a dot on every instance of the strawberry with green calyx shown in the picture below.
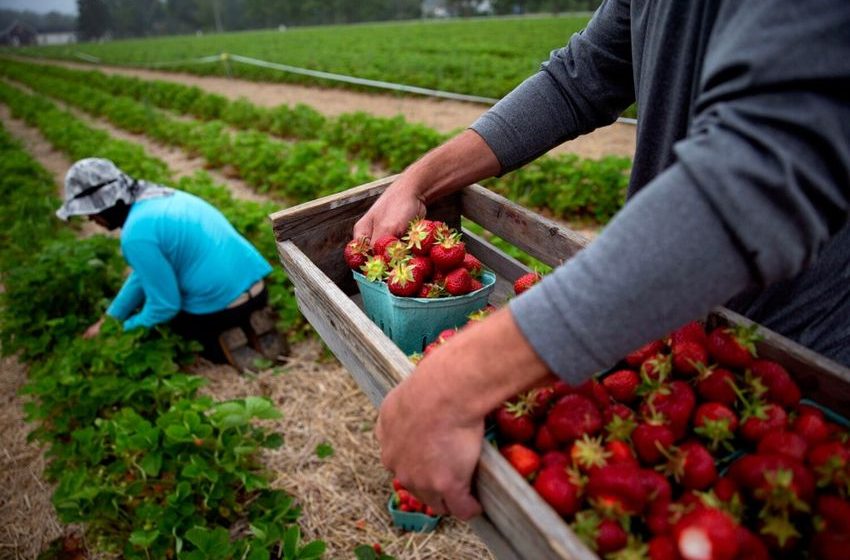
(676, 402)
(619, 422)
(779, 482)
(778, 532)
(420, 236)
(733, 347)
(706, 534)
(784, 443)
(379, 247)
(482, 313)
(573, 416)
(396, 252)
(473, 265)
(524, 460)
(637, 357)
(717, 423)
(781, 387)
(514, 420)
(654, 373)
(601, 534)
(540, 398)
(687, 357)
(588, 453)
(432, 290)
(560, 489)
(448, 252)
(375, 269)
(616, 490)
(831, 463)
(691, 465)
(458, 282)
(656, 485)
(422, 268)
(734, 506)
(622, 385)
(690, 332)
(635, 549)
(716, 384)
(402, 282)
(446, 334)
(356, 252)
(526, 281)
(759, 419)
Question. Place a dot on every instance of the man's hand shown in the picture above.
(392, 212)
(431, 426)
(94, 329)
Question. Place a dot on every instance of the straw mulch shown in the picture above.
(343, 496)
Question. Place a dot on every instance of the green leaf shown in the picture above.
(143, 538)
(290, 542)
(365, 552)
(259, 407)
(324, 450)
(312, 550)
(151, 463)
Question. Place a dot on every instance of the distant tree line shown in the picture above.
(134, 18)
(42, 23)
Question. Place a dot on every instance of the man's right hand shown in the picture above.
(392, 212)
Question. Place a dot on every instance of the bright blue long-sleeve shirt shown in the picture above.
(185, 256)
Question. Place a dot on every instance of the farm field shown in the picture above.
(485, 57)
(248, 160)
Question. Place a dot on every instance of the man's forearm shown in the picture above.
(461, 161)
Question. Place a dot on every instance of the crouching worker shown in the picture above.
(190, 267)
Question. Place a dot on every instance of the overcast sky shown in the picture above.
(41, 6)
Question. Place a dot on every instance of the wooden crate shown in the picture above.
(310, 238)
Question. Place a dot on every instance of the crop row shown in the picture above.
(566, 186)
(151, 468)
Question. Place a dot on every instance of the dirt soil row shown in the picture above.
(441, 114)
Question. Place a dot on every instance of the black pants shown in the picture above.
(206, 328)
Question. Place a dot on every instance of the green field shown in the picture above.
(485, 57)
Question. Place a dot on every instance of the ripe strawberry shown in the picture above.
(473, 265)
(831, 462)
(663, 547)
(676, 401)
(622, 385)
(595, 391)
(514, 421)
(356, 252)
(758, 419)
(524, 460)
(706, 534)
(691, 465)
(811, 426)
(397, 485)
(691, 332)
(654, 371)
(774, 479)
(422, 268)
(660, 516)
(544, 440)
(526, 281)
(619, 452)
(778, 533)
(402, 282)
(835, 513)
(717, 384)
(572, 416)
(379, 246)
(725, 489)
(639, 356)
(375, 269)
(650, 439)
(781, 388)
(784, 443)
(431, 290)
(616, 490)
(733, 347)
(555, 458)
(750, 547)
(458, 282)
(558, 489)
(717, 423)
(475, 285)
(396, 252)
(830, 545)
(687, 356)
(657, 486)
(601, 534)
(587, 453)
(420, 236)
(448, 253)
(619, 422)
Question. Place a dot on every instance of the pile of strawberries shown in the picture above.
(428, 261)
(690, 448)
(403, 500)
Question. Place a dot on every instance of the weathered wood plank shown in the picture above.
(820, 378)
(544, 239)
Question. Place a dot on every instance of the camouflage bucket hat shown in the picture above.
(94, 184)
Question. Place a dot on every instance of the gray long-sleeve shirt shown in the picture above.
(741, 178)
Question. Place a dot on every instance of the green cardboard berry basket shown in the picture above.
(412, 520)
(413, 323)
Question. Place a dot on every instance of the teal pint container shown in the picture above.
(413, 323)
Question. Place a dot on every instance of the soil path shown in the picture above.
(443, 115)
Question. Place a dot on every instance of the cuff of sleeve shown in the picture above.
(116, 313)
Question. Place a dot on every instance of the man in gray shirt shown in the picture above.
(739, 195)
